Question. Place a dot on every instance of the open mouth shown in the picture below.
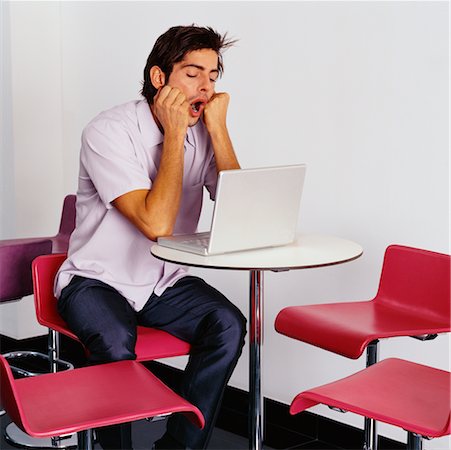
(196, 106)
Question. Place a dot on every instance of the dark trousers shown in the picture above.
(191, 310)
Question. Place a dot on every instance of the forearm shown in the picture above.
(162, 202)
(154, 212)
(225, 156)
(215, 119)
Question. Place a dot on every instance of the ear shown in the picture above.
(157, 77)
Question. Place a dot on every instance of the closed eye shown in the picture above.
(213, 80)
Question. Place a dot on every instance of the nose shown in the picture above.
(205, 84)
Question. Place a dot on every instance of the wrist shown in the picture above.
(175, 131)
(174, 139)
(217, 130)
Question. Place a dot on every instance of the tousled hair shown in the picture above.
(172, 46)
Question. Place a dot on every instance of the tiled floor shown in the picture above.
(144, 433)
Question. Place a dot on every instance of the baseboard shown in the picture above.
(282, 430)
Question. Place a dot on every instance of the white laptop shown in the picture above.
(254, 208)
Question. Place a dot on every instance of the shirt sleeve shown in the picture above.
(111, 162)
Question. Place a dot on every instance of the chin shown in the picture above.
(193, 121)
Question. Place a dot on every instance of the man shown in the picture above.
(143, 166)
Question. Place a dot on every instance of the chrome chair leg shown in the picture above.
(53, 350)
(414, 441)
(370, 427)
(370, 430)
(85, 440)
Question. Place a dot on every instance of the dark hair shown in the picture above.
(172, 46)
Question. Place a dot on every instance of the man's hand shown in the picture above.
(172, 110)
(215, 112)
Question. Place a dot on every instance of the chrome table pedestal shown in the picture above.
(256, 404)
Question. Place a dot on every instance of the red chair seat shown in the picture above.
(75, 400)
(398, 392)
(348, 328)
(155, 344)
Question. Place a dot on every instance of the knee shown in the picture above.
(114, 345)
(228, 325)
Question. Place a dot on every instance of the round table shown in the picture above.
(309, 250)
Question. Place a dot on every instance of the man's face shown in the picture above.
(196, 76)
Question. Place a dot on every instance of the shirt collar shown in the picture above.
(151, 134)
(149, 129)
(190, 139)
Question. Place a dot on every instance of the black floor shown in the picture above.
(144, 433)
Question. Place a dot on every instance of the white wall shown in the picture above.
(357, 90)
(6, 155)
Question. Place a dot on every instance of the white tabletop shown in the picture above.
(309, 250)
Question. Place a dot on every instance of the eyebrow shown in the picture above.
(196, 66)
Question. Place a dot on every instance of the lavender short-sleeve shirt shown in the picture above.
(120, 153)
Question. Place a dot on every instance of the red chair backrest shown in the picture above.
(418, 280)
(44, 269)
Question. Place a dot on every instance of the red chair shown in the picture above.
(151, 343)
(413, 299)
(401, 393)
(82, 399)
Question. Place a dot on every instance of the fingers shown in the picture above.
(175, 97)
(220, 96)
(215, 112)
(167, 96)
(171, 108)
(218, 102)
